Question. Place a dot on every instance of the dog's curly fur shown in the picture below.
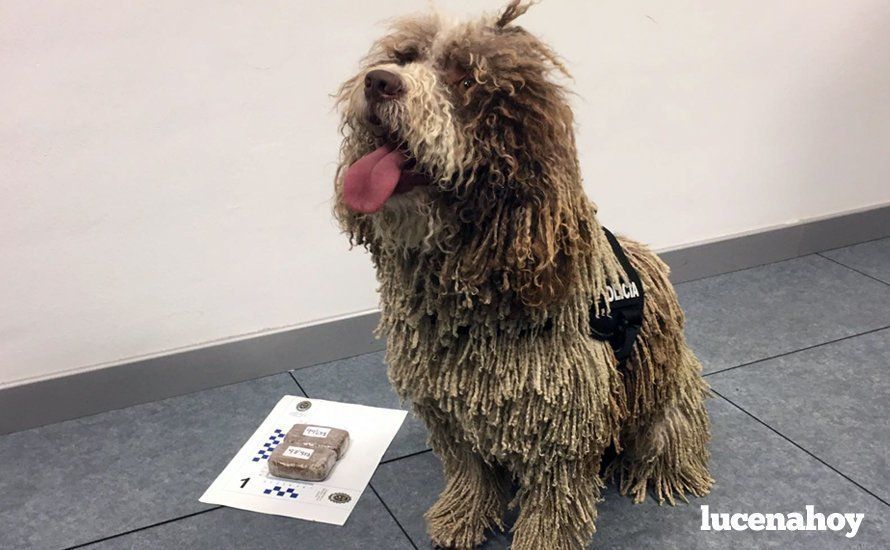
(487, 276)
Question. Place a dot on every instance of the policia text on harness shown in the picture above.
(622, 324)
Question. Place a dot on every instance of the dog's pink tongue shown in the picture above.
(371, 180)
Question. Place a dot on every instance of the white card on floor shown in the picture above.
(247, 484)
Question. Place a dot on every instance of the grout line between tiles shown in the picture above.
(855, 244)
(749, 363)
(789, 440)
(297, 382)
(409, 455)
(304, 367)
(393, 516)
(131, 531)
(854, 269)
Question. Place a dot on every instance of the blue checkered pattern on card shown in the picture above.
(281, 492)
(269, 446)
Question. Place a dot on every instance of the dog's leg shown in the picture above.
(475, 495)
(666, 447)
(557, 506)
(473, 501)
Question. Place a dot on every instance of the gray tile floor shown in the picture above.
(798, 353)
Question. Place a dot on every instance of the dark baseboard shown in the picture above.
(705, 259)
(90, 392)
(142, 381)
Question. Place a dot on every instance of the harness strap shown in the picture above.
(625, 319)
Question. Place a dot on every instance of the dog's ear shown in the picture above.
(542, 251)
(533, 222)
(530, 243)
(511, 11)
(533, 249)
(526, 226)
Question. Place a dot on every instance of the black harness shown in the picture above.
(621, 326)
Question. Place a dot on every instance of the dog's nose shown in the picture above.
(381, 84)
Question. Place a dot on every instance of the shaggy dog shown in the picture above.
(459, 173)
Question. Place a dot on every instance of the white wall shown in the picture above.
(166, 166)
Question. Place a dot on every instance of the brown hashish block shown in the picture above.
(318, 436)
(295, 461)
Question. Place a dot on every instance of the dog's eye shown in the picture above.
(405, 57)
(468, 83)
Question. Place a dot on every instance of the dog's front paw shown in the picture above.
(461, 523)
